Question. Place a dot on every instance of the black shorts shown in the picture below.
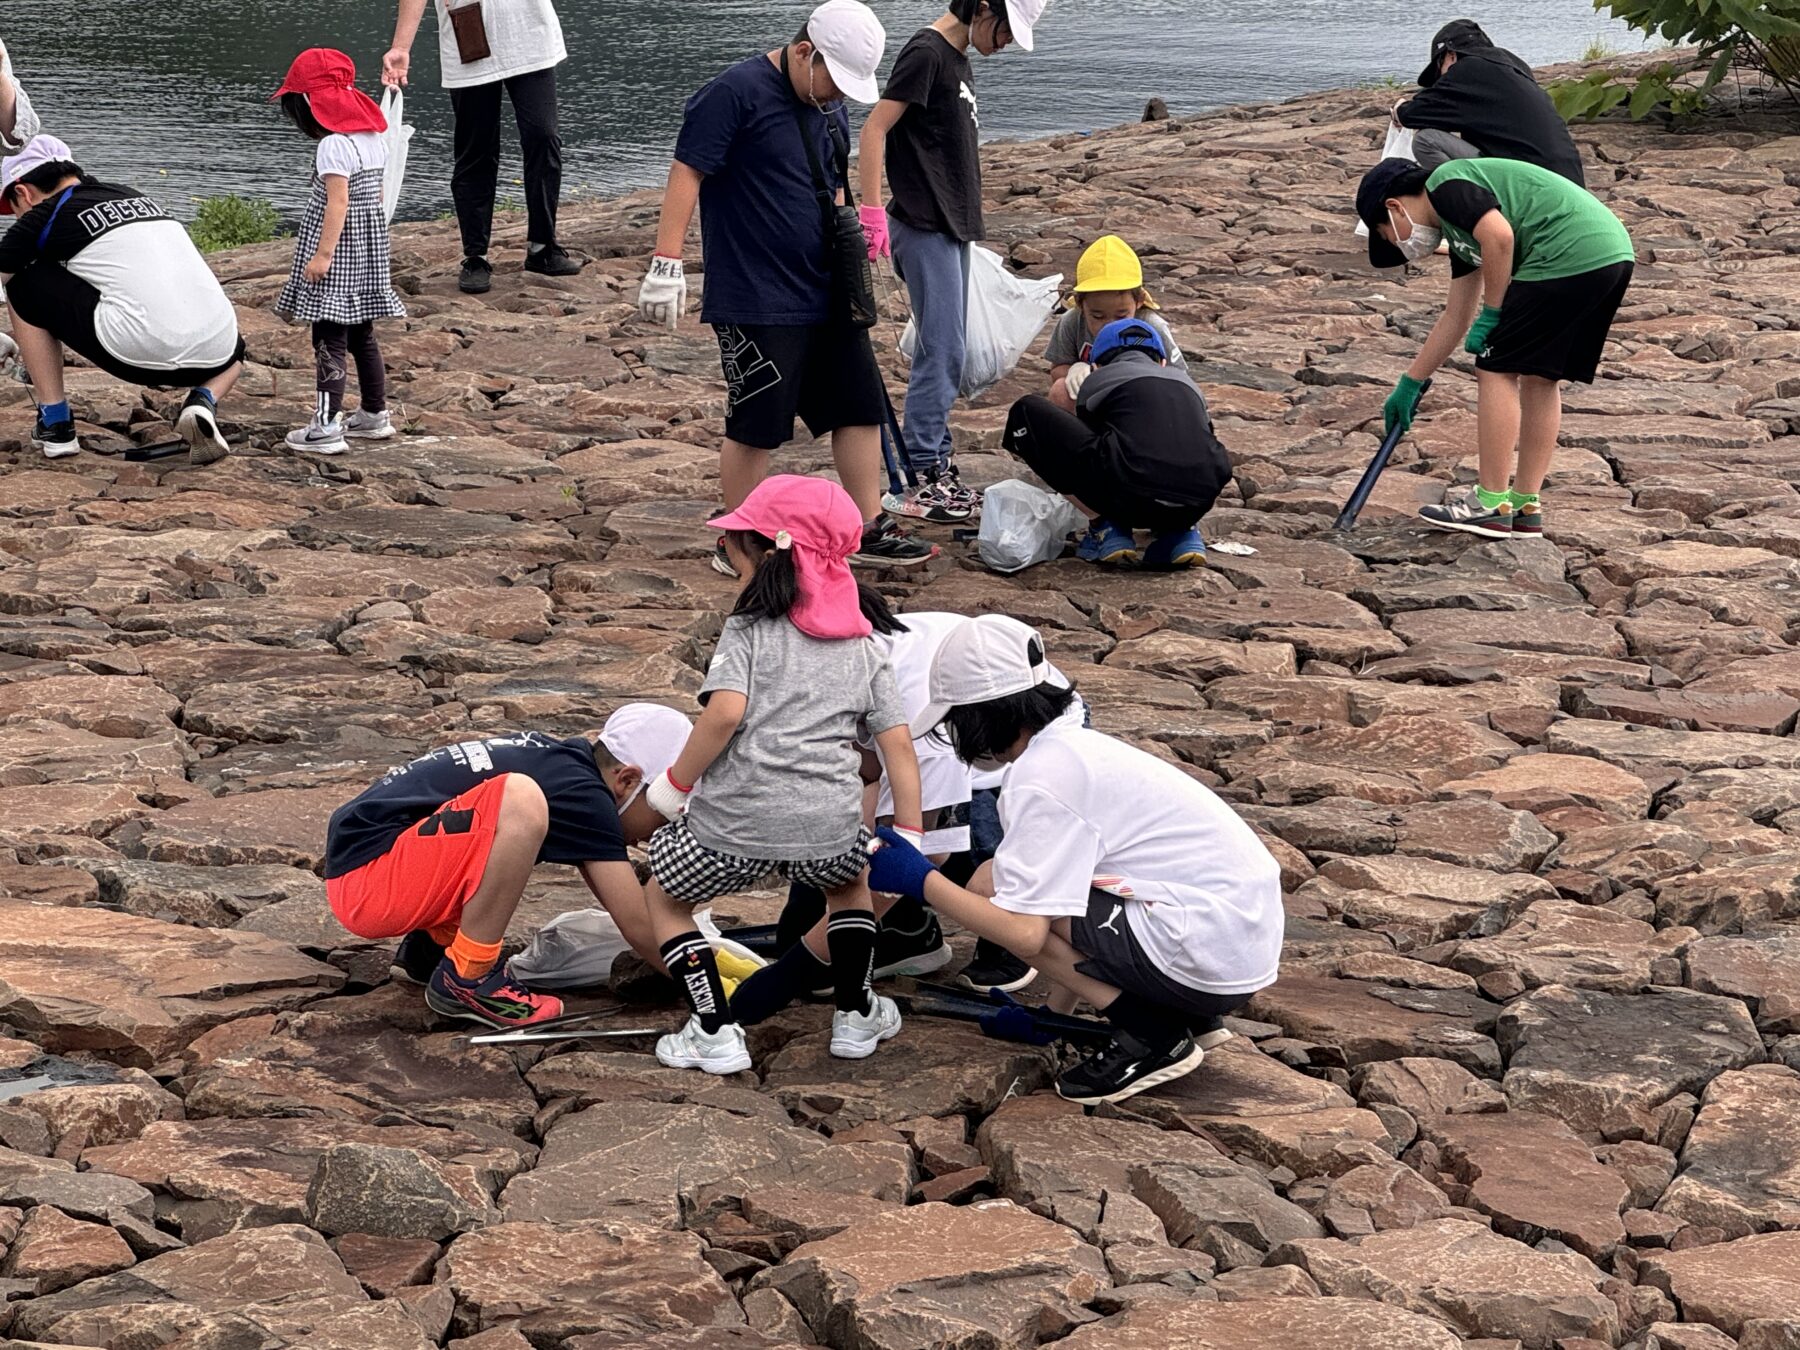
(1066, 453)
(825, 374)
(1556, 329)
(1113, 955)
(49, 296)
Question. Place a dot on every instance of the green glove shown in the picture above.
(1481, 329)
(1403, 403)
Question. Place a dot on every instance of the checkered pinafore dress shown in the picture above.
(357, 288)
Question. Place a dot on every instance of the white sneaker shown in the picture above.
(855, 1035)
(691, 1048)
(321, 436)
(369, 426)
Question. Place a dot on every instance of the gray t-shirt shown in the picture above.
(1070, 336)
(788, 786)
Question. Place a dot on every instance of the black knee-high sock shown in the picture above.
(1152, 1023)
(850, 936)
(805, 907)
(792, 976)
(689, 958)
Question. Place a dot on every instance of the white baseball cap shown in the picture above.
(34, 154)
(851, 39)
(1022, 17)
(647, 735)
(989, 657)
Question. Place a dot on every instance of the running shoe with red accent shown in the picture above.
(497, 999)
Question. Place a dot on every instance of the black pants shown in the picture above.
(334, 344)
(477, 141)
(1067, 454)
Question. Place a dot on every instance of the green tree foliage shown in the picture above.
(232, 221)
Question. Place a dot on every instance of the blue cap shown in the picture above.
(1126, 335)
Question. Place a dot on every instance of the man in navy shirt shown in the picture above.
(743, 157)
(439, 850)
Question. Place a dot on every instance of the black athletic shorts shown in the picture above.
(1556, 329)
(49, 296)
(825, 374)
(1067, 454)
(1114, 956)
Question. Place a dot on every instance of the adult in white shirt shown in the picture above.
(1119, 877)
(486, 47)
(18, 119)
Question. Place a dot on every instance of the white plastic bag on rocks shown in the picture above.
(1004, 315)
(1022, 525)
(1399, 145)
(573, 951)
(397, 137)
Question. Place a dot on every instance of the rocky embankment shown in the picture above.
(1529, 1076)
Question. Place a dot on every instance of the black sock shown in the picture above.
(1152, 1023)
(850, 935)
(907, 917)
(793, 975)
(689, 958)
(805, 907)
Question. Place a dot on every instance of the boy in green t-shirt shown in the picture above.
(1547, 264)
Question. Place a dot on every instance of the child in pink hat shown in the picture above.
(796, 677)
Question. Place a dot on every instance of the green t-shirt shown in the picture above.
(1559, 230)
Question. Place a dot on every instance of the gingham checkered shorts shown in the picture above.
(693, 874)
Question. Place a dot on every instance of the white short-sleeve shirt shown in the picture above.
(523, 35)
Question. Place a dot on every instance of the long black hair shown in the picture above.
(774, 587)
(988, 730)
(299, 111)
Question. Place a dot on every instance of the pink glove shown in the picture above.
(874, 223)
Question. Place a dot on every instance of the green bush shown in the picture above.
(1763, 36)
(232, 221)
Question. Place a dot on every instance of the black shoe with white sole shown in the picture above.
(198, 425)
(1127, 1067)
(995, 968)
(56, 439)
(885, 544)
(418, 956)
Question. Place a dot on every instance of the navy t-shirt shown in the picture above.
(584, 821)
(760, 223)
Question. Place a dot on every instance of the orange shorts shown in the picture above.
(426, 878)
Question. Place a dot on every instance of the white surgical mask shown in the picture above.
(1421, 243)
(982, 764)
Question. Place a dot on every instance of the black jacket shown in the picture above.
(1153, 431)
(1491, 99)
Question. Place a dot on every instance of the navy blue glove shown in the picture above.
(897, 868)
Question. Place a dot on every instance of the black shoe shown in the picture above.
(885, 544)
(553, 260)
(995, 968)
(1127, 1067)
(418, 956)
(1209, 1033)
(477, 276)
(56, 439)
(198, 425)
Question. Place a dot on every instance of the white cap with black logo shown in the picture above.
(851, 39)
(989, 657)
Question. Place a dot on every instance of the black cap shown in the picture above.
(1378, 185)
(1459, 35)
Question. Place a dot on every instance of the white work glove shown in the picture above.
(665, 798)
(1077, 377)
(9, 353)
(663, 295)
(914, 837)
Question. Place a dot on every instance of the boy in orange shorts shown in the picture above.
(440, 850)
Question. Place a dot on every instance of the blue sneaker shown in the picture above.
(1105, 542)
(1182, 548)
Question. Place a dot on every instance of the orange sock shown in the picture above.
(473, 959)
(443, 934)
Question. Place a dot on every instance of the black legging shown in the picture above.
(333, 346)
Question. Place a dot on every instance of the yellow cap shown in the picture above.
(1108, 265)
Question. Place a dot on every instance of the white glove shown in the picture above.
(663, 295)
(665, 798)
(1077, 377)
(9, 353)
(914, 837)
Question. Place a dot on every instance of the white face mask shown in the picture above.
(982, 764)
(1421, 243)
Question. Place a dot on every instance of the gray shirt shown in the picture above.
(788, 786)
(1070, 336)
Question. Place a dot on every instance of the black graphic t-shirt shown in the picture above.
(584, 820)
(934, 152)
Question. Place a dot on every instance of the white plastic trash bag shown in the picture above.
(1004, 315)
(573, 951)
(397, 137)
(1399, 145)
(1022, 525)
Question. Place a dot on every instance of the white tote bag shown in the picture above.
(1003, 317)
(397, 137)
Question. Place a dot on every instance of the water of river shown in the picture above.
(171, 97)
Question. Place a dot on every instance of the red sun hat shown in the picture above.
(328, 79)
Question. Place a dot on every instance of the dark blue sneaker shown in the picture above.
(1105, 542)
(1180, 548)
(496, 999)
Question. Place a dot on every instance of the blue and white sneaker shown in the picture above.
(1179, 548)
(1105, 542)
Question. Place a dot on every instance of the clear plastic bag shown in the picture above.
(573, 951)
(397, 137)
(1022, 525)
(1004, 315)
(1399, 145)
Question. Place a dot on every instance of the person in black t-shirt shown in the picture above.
(440, 850)
(927, 131)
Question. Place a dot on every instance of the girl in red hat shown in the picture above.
(340, 283)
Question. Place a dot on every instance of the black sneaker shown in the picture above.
(477, 276)
(1127, 1067)
(56, 439)
(553, 260)
(198, 425)
(418, 956)
(885, 544)
(918, 953)
(995, 968)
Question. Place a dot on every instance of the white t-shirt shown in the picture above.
(1076, 716)
(943, 777)
(1203, 896)
(25, 118)
(524, 35)
(346, 156)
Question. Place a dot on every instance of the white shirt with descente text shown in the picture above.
(524, 36)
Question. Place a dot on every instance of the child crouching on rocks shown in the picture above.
(1109, 286)
(770, 779)
(1123, 880)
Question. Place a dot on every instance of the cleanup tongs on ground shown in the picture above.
(568, 1027)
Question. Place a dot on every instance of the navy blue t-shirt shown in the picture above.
(584, 821)
(760, 222)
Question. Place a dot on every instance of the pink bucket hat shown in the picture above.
(818, 521)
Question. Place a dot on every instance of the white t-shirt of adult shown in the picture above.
(345, 156)
(1202, 895)
(523, 36)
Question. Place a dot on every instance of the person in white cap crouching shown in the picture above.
(1120, 878)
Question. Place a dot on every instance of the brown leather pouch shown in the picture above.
(471, 33)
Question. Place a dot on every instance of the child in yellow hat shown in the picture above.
(1109, 286)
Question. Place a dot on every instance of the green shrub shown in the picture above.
(232, 221)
